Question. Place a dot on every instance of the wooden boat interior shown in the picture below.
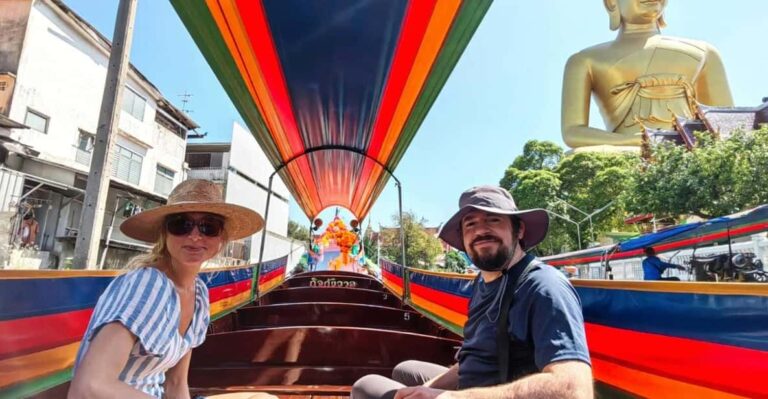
(305, 339)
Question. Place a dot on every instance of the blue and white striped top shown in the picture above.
(146, 303)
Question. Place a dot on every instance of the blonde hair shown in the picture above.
(160, 252)
(153, 257)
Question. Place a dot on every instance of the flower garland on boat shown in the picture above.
(345, 239)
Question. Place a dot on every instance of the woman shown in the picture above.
(145, 324)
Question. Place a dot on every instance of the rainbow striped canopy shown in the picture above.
(333, 90)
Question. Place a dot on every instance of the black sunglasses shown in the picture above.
(181, 224)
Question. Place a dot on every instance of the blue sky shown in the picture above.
(503, 92)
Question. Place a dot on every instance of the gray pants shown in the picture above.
(406, 374)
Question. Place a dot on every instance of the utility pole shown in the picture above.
(87, 245)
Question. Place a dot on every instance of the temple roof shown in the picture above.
(723, 121)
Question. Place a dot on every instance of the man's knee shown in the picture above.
(404, 372)
(415, 372)
(374, 386)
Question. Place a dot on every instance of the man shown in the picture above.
(546, 352)
(653, 267)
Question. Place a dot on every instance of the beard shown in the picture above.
(492, 261)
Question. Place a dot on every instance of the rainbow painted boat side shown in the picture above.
(44, 314)
(649, 339)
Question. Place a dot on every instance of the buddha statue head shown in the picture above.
(638, 12)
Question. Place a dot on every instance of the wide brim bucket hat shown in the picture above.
(496, 200)
(194, 195)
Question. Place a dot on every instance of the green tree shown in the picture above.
(592, 181)
(718, 177)
(370, 244)
(455, 262)
(542, 176)
(297, 231)
(537, 155)
(421, 248)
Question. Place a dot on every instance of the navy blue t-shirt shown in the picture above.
(546, 311)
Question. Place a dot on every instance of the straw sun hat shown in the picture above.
(194, 196)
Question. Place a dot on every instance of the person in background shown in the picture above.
(28, 230)
(140, 337)
(653, 267)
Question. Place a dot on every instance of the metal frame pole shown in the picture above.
(578, 234)
(402, 228)
(378, 247)
(567, 219)
(263, 239)
(588, 216)
(310, 266)
(266, 219)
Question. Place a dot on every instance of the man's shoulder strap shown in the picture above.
(502, 337)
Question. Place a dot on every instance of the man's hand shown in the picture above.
(421, 392)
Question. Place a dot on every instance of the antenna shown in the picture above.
(185, 98)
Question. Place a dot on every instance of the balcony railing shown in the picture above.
(213, 174)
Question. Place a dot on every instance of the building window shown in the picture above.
(36, 121)
(3, 85)
(164, 180)
(84, 148)
(133, 103)
(205, 159)
(127, 165)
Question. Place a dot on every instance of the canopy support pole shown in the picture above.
(263, 238)
(400, 207)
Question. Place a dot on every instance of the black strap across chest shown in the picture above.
(520, 354)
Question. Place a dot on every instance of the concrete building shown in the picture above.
(53, 65)
(243, 170)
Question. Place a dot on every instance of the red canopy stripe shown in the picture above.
(226, 16)
(414, 28)
(243, 23)
(257, 29)
(416, 53)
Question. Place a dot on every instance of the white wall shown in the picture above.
(61, 74)
(277, 247)
(247, 157)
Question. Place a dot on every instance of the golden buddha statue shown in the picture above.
(640, 80)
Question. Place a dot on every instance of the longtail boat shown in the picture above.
(334, 92)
